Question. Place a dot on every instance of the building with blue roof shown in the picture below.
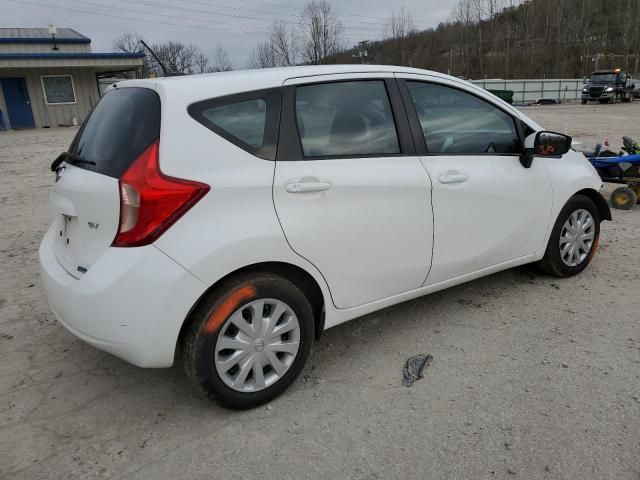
(50, 76)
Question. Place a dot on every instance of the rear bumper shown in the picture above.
(131, 303)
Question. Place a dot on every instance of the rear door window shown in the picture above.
(352, 118)
(122, 125)
(248, 120)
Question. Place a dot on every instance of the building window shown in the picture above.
(58, 89)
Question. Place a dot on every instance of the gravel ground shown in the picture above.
(532, 377)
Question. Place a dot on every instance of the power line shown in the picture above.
(210, 12)
(236, 27)
(253, 10)
(122, 17)
(426, 22)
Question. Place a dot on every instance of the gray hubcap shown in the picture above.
(257, 345)
(576, 238)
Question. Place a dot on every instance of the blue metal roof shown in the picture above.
(41, 35)
(81, 55)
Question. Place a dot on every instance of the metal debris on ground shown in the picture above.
(413, 368)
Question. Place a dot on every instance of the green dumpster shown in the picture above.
(506, 95)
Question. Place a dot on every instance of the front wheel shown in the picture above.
(574, 238)
(248, 340)
(584, 102)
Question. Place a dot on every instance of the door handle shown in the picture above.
(453, 177)
(304, 187)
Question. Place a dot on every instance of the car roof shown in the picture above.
(272, 77)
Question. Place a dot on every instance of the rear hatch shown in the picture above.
(86, 194)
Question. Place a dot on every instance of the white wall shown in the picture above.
(528, 90)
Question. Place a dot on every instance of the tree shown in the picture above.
(321, 32)
(176, 56)
(262, 56)
(398, 30)
(284, 44)
(130, 43)
(202, 64)
(221, 61)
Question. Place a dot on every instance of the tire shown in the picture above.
(553, 262)
(584, 102)
(236, 303)
(623, 198)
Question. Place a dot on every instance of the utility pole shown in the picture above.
(362, 51)
(596, 57)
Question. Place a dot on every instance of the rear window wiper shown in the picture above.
(70, 158)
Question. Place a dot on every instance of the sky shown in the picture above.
(235, 25)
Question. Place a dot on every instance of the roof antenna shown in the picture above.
(53, 32)
(164, 69)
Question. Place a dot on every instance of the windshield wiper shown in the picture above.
(70, 158)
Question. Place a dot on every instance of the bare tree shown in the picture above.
(262, 56)
(177, 57)
(284, 44)
(202, 64)
(400, 24)
(321, 32)
(398, 30)
(130, 43)
(221, 61)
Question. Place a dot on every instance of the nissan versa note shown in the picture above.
(225, 220)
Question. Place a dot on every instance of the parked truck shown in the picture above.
(609, 86)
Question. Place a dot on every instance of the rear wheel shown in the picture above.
(584, 102)
(574, 238)
(623, 198)
(249, 340)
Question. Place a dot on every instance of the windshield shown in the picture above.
(603, 77)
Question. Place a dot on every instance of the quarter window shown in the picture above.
(346, 119)
(58, 89)
(244, 120)
(456, 122)
(248, 120)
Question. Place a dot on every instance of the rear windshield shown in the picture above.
(123, 124)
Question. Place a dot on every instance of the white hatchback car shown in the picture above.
(226, 220)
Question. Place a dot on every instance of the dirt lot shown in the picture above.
(533, 377)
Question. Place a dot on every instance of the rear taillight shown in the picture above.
(150, 202)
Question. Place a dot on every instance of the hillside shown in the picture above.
(530, 39)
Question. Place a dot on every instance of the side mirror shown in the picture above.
(544, 144)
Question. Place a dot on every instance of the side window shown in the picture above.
(244, 120)
(346, 118)
(248, 120)
(456, 122)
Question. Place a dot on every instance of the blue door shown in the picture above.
(16, 98)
